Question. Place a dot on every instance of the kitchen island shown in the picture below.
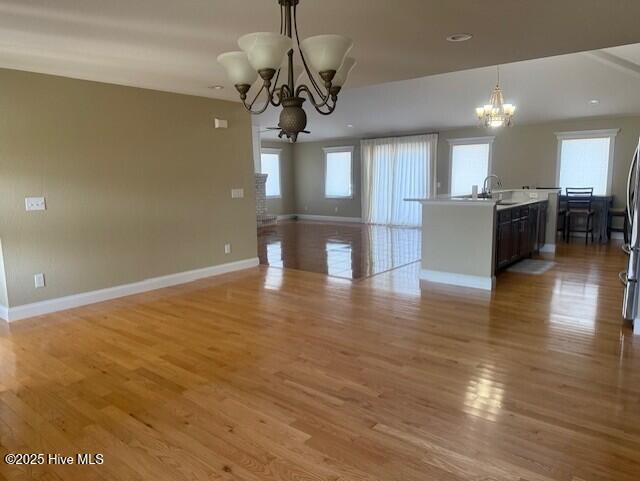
(466, 241)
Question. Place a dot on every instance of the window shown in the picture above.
(470, 163)
(270, 165)
(338, 183)
(395, 169)
(585, 158)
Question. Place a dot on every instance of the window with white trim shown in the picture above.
(270, 165)
(338, 172)
(470, 163)
(585, 159)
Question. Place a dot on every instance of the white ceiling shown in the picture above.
(553, 88)
(172, 44)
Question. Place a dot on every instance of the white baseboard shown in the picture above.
(329, 218)
(76, 300)
(550, 248)
(462, 280)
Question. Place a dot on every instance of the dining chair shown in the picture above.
(624, 228)
(579, 206)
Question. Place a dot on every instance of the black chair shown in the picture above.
(622, 212)
(579, 203)
(562, 222)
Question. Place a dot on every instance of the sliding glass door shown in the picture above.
(395, 169)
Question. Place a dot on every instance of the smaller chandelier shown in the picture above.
(496, 113)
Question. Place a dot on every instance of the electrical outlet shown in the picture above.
(35, 203)
(227, 248)
(237, 193)
(220, 123)
(335, 210)
(38, 280)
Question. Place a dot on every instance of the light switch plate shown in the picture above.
(220, 123)
(35, 203)
(533, 195)
(227, 248)
(38, 280)
(237, 193)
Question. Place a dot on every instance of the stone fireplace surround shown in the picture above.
(262, 217)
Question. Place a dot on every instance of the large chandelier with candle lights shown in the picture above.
(496, 113)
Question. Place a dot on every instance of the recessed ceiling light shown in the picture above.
(459, 37)
(594, 101)
(350, 126)
(216, 87)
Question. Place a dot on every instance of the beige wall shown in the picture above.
(526, 154)
(309, 180)
(4, 302)
(522, 155)
(137, 184)
(286, 204)
(460, 240)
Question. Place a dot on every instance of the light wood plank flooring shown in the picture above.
(276, 374)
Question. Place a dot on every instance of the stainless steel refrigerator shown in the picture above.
(631, 277)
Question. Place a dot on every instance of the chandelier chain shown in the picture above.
(308, 70)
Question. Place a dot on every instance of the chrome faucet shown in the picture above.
(486, 185)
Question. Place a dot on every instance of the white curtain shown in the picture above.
(394, 169)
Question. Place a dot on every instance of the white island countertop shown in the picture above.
(502, 199)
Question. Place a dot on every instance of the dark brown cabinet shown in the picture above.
(504, 236)
(520, 232)
(534, 219)
(542, 226)
(523, 234)
(515, 237)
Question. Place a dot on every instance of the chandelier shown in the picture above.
(262, 56)
(496, 113)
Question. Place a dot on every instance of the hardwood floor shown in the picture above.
(352, 251)
(277, 374)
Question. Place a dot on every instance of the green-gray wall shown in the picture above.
(309, 178)
(527, 154)
(302, 180)
(137, 184)
(522, 155)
